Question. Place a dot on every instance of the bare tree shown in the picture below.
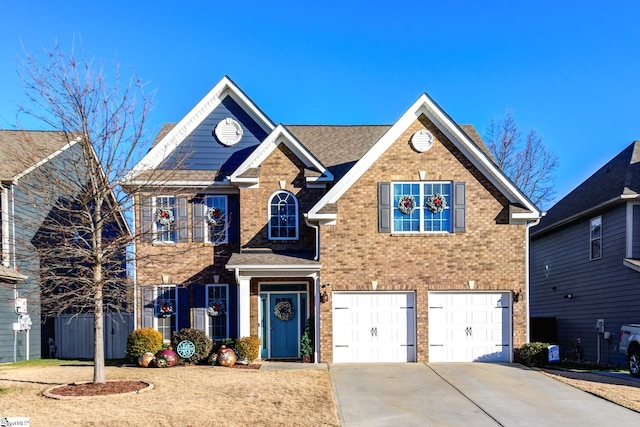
(524, 158)
(82, 240)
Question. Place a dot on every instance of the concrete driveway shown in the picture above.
(464, 394)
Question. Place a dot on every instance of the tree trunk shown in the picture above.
(98, 341)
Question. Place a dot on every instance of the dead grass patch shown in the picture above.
(186, 396)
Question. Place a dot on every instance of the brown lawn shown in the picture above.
(184, 396)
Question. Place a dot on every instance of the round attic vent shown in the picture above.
(422, 140)
(228, 131)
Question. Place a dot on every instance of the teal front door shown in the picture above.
(284, 325)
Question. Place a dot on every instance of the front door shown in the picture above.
(284, 325)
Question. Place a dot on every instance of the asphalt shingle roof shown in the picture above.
(618, 177)
(19, 150)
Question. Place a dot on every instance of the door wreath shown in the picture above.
(283, 311)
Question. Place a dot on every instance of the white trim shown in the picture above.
(281, 135)
(225, 87)
(425, 105)
(297, 215)
(207, 324)
(4, 224)
(207, 227)
(45, 160)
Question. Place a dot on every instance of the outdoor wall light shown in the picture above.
(516, 295)
(323, 296)
(568, 296)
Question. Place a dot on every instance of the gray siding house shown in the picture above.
(40, 171)
(585, 263)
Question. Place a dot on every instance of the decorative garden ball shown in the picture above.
(226, 357)
(145, 359)
(169, 355)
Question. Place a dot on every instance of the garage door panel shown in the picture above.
(381, 329)
(472, 326)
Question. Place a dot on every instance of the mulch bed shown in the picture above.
(99, 389)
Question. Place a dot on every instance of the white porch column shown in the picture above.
(316, 323)
(244, 307)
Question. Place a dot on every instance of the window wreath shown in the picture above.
(436, 203)
(164, 216)
(164, 309)
(283, 311)
(216, 308)
(215, 216)
(407, 204)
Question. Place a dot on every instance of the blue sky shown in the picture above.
(570, 69)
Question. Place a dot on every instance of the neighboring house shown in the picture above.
(30, 201)
(585, 263)
(402, 243)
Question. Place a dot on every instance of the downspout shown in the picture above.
(135, 275)
(316, 257)
(316, 293)
(526, 275)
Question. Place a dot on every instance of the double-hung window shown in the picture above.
(596, 238)
(165, 311)
(283, 216)
(217, 311)
(216, 229)
(164, 213)
(422, 207)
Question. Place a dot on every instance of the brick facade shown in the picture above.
(490, 252)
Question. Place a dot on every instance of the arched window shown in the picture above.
(283, 216)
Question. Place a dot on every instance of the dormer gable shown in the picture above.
(315, 173)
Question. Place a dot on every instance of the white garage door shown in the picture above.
(373, 327)
(469, 327)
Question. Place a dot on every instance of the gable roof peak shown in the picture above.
(175, 135)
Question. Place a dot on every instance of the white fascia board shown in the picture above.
(479, 159)
(194, 118)
(45, 160)
(425, 105)
(281, 135)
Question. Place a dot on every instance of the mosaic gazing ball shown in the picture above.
(226, 357)
(145, 359)
(170, 356)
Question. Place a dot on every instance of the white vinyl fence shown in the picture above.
(74, 335)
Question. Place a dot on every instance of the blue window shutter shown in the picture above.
(146, 219)
(459, 208)
(384, 207)
(184, 308)
(199, 309)
(198, 219)
(148, 309)
(182, 220)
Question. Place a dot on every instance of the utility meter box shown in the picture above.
(21, 305)
(24, 322)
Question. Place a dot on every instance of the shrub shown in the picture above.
(199, 339)
(248, 348)
(533, 354)
(306, 341)
(144, 340)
